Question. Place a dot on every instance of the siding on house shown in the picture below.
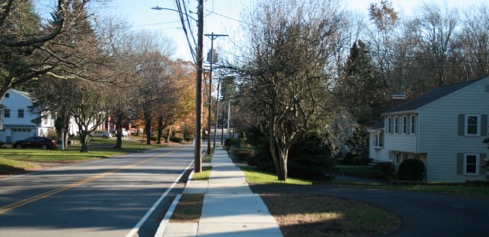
(439, 131)
(378, 154)
(20, 127)
(440, 122)
(400, 141)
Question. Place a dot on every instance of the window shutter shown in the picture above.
(484, 125)
(461, 125)
(460, 163)
(482, 162)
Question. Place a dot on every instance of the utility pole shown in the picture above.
(198, 88)
(212, 36)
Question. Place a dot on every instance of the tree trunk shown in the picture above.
(280, 157)
(118, 124)
(168, 134)
(160, 128)
(84, 138)
(283, 158)
(147, 128)
(65, 126)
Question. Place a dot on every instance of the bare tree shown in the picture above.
(473, 44)
(24, 40)
(151, 79)
(285, 71)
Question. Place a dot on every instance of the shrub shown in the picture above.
(411, 170)
(243, 155)
(176, 139)
(308, 158)
(228, 143)
(361, 161)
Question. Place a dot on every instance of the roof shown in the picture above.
(22, 93)
(431, 96)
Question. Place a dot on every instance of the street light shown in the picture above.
(198, 87)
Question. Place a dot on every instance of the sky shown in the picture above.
(222, 17)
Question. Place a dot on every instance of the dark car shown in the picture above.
(36, 142)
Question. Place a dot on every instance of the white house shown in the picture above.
(443, 128)
(19, 122)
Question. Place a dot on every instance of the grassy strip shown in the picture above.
(204, 175)
(310, 215)
(189, 208)
(12, 167)
(17, 160)
(458, 190)
(254, 176)
(355, 170)
(207, 159)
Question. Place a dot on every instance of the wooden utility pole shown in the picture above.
(198, 97)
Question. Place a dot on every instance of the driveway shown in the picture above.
(421, 214)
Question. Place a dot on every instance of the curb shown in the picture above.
(163, 224)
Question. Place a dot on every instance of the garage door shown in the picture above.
(21, 133)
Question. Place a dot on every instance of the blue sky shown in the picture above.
(222, 17)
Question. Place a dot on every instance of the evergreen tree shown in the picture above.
(362, 93)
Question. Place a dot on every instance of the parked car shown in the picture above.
(103, 134)
(36, 142)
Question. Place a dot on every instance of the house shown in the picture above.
(19, 122)
(443, 128)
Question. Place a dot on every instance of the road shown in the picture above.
(421, 214)
(109, 197)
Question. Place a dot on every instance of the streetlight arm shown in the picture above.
(158, 8)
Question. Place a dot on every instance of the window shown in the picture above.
(413, 124)
(389, 125)
(404, 125)
(7, 95)
(7, 113)
(472, 125)
(471, 166)
(379, 140)
(398, 159)
(21, 113)
(396, 125)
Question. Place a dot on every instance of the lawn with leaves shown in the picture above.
(309, 215)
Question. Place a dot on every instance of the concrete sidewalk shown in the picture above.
(230, 207)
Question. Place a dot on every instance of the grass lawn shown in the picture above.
(189, 208)
(204, 175)
(254, 176)
(311, 215)
(14, 161)
(471, 191)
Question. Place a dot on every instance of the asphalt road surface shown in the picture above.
(121, 196)
(421, 214)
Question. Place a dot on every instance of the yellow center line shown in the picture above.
(26, 201)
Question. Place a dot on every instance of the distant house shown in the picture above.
(443, 128)
(19, 122)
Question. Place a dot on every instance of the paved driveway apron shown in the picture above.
(421, 214)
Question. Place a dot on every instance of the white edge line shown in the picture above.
(145, 217)
(166, 219)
